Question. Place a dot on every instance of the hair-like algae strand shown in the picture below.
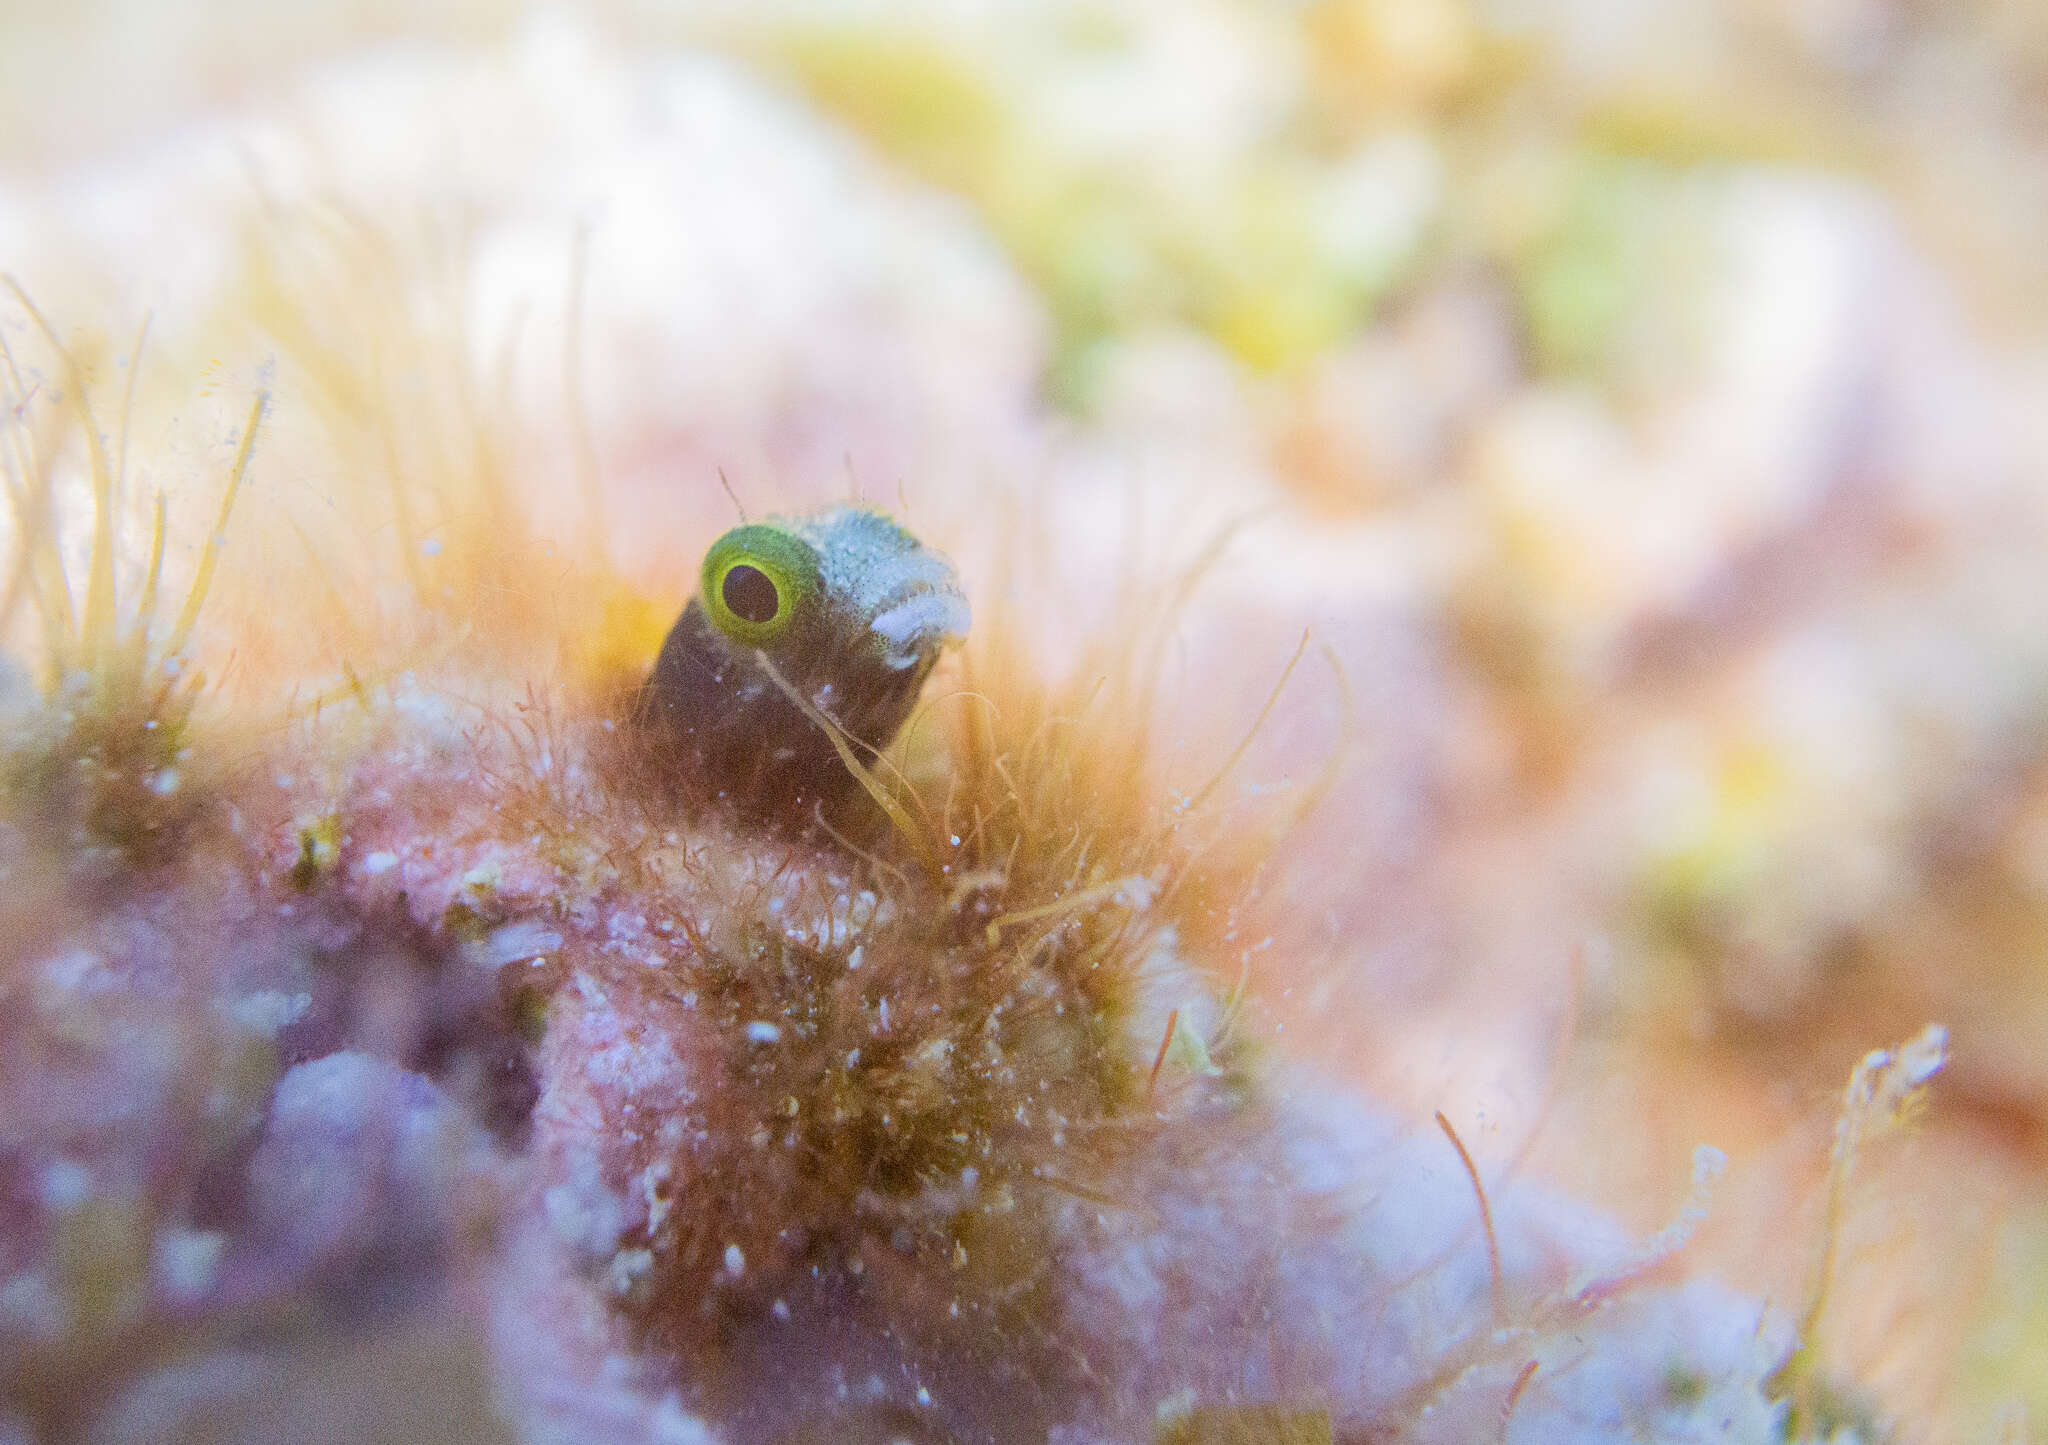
(104, 759)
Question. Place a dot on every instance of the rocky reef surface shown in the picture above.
(381, 1061)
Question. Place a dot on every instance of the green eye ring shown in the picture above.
(757, 580)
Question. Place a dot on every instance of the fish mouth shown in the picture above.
(919, 625)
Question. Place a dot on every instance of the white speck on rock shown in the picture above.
(525, 939)
(628, 1268)
(652, 1180)
(71, 971)
(65, 1185)
(267, 1011)
(29, 1305)
(735, 1261)
(760, 1031)
(623, 927)
(584, 1212)
(673, 1425)
(186, 1262)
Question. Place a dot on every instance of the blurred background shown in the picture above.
(1644, 408)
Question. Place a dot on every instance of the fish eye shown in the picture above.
(750, 594)
(757, 581)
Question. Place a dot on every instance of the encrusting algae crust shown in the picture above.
(918, 1115)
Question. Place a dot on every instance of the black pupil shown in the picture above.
(749, 594)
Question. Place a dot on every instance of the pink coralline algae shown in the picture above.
(624, 1121)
